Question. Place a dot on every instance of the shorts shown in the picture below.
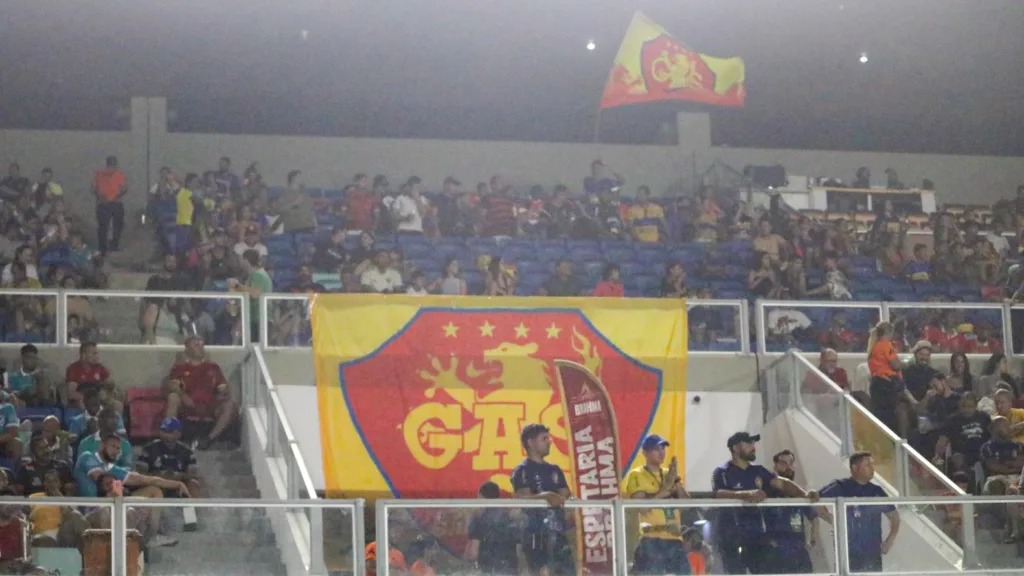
(660, 556)
(548, 549)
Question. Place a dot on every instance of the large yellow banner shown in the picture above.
(425, 397)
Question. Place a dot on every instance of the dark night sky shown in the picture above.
(943, 75)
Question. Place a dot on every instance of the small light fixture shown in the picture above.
(591, 45)
(863, 57)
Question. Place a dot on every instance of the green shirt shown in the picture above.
(260, 280)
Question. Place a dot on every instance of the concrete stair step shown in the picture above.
(219, 568)
(218, 549)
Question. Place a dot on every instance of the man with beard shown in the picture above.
(788, 526)
(661, 549)
(740, 533)
(545, 546)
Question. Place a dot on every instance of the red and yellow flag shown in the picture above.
(425, 397)
(652, 66)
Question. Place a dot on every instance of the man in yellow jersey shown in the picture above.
(661, 549)
(646, 219)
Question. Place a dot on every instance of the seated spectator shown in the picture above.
(560, 213)
(919, 269)
(54, 526)
(1003, 403)
(890, 255)
(417, 284)
(80, 308)
(28, 382)
(673, 284)
(611, 283)
(645, 219)
(939, 403)
(304, 283)
(58, 441)
(794, 278)
(828, 363)
(762, 279)
(983, 342)
(709, 216)
(92, 404)
(920, 375)
(257, 282)
(10, 444)
(330, 252)
(987, 262)
(960, 378)
(999, 242)
(963, 433)
(88, 374)
(396, 561)
(1002, 458)
(562, 282)
(101, 465)
(995, 370)
(452, 284)
(768, 243)
(196, 388)
(171, 459)
(108, 421)
(382, 278)
(30, 477)
(251, 241)
(836, 285)
(25, 255)
(838, 336)
(500, 278)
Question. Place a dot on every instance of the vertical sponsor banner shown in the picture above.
(425, 397)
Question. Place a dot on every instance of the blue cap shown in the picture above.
(170, 425)
(653, 441)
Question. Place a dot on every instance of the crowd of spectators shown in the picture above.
(66, 436)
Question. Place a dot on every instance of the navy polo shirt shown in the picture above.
(787, 523)
(742, 521)
(863, 523)
(540, 477)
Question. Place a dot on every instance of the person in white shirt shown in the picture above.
(381, 278)
(998, 241)
(408, 209)
(418, 285)
(251, 242)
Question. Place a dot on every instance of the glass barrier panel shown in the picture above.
(997, 529)
(714, 328)
(872, 436)
(1017, 328)
(953, 328)
(782, 371)
(28, 317)
(288, 324)
(557, 539)
(338, 554)
(37, 536)
(923, 545)
(928, 481)
(812, 328)
(770, 538)
(821, 398)
(113, 318)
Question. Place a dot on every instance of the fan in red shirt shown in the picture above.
(611, 283)
(88, 373)
(828, 364)
(984, 342)
(196, 388)
(359, 204)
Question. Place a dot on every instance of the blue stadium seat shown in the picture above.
(607, 245)
(619, 255)
(550, 253)
(36, 415)
(417, 250)
(591, 245)
(647, 285)
(583, 255)
(530, 267)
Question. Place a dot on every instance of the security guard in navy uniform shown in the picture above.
(741, 532)
(788, 526)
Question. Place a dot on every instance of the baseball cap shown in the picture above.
(742, 438)
(170, 424)
(653, 441)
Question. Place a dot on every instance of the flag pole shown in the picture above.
(597, 126)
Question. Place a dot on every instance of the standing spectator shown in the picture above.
(109, 188)
(15, 184)
(791, 528)
(999, 242)
(673, 284)
(257, 282)
(498, 211)
(296, 207)
(227, 181)
(602, 180)
(493, 537)
(452, 283)
(451, 220)
(646, 219)
(741, 529)
(768, 243)
(381, 278)
(28, 381)
(169, 279)
(919, 269)
(88, 375)
(562, 282)
(890, 254)
(864, 523)
(660, 549)
(561, 213)
(196, 388)
(544, 546)
(409, 208)
(360, 204)
(46, 189)
(889, 395)
(611, 283)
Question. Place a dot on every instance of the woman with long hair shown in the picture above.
(452, 283)
(996, 370)
(499, 280)
(890, 399)
(762, 278)
(960, 378)
(611, 282)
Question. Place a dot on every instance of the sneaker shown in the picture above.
(161, 540)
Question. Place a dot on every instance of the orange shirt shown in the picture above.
(108, 183)
(881, 358)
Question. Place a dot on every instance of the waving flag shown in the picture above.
(425, 397)
(652, 66)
